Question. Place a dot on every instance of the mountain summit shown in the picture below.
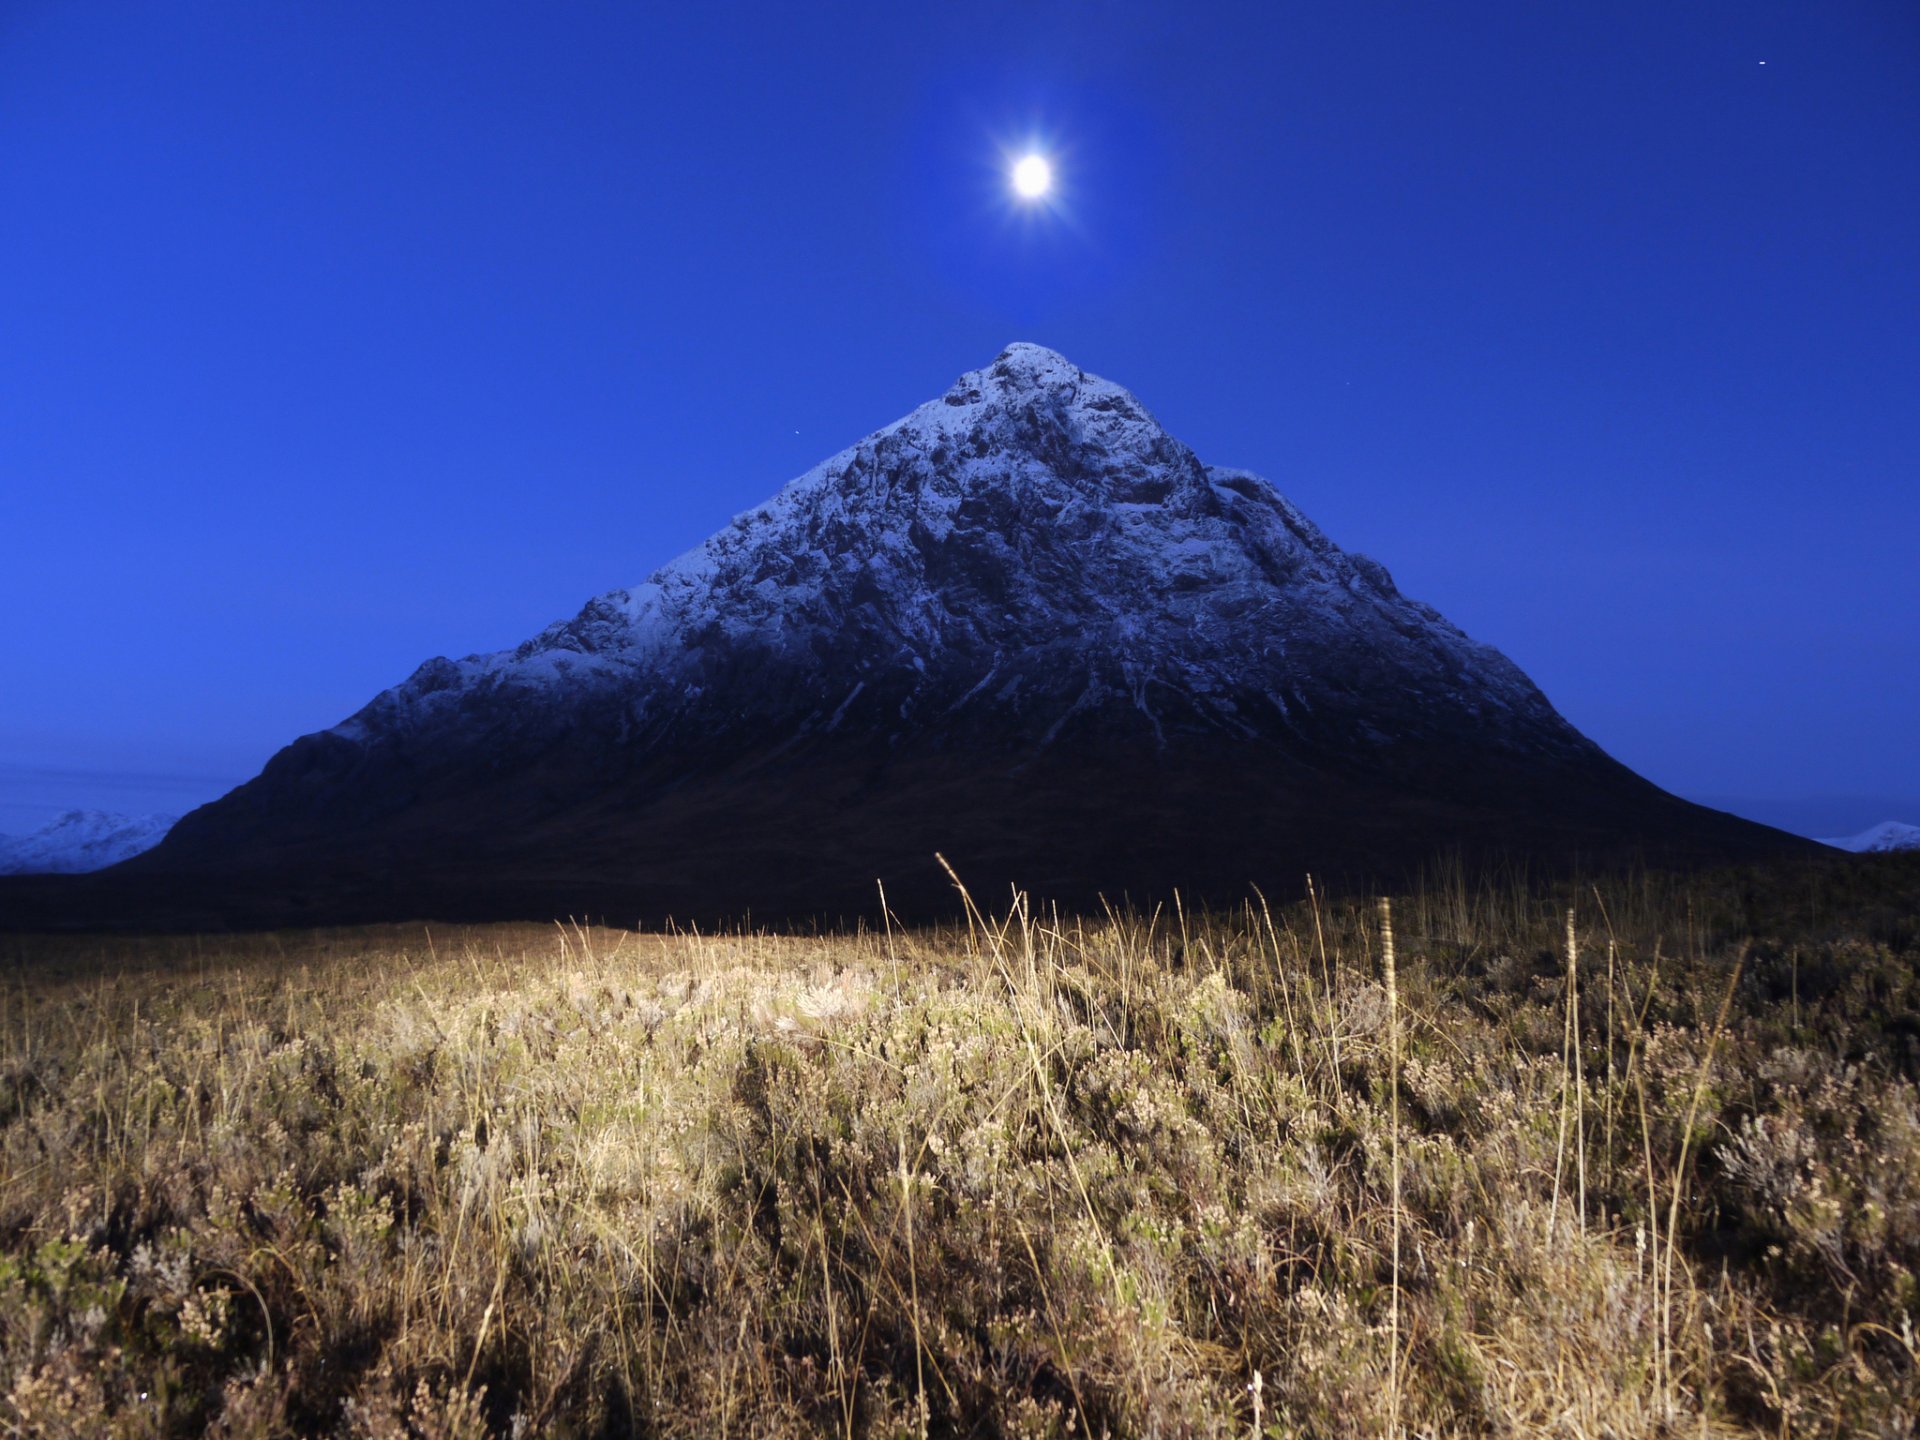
(1022, 626)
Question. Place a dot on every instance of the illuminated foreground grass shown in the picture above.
(1043, 1178)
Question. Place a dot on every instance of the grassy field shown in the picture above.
(1161, 1174)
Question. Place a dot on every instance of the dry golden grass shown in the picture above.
(1023, 1177)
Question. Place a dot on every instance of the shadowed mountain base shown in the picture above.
(805, 837)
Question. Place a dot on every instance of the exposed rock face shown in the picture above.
(1023, 626)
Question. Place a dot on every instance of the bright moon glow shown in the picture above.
(1033, 177)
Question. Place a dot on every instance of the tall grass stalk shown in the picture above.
(1579, 1067)
(1393, 1092)
(1607, 919)
(1286, 991)
(1326, 974)
(1686, 1145)
(921, 1413)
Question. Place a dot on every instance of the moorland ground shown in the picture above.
(1140, 1174)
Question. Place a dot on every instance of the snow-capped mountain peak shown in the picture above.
(1031, 541)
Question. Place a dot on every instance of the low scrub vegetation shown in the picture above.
(1640, 1159)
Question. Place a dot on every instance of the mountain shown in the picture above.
(80, 841)
(1887, 835)
(1022, 626)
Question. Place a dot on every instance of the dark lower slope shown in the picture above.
(804, 834)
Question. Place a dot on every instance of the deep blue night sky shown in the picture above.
(337, 336)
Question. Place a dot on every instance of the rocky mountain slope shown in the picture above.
(1022, 626)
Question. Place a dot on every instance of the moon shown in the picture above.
(1032, 177)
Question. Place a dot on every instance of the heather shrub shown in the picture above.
(1020, 1177)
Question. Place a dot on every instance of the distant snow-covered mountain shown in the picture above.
(82, 840)
(1887, 835)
